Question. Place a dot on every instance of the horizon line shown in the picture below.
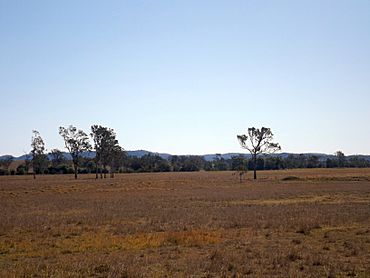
(209, 153)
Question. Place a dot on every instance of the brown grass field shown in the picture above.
(290, 223)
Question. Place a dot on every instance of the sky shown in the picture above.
(185, 77)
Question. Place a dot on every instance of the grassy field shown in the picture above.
(296, 223)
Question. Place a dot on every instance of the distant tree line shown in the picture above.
(111, 158)
(57, 164)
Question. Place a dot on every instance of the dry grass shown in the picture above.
(187, 224)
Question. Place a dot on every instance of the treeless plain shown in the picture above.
(296, 223)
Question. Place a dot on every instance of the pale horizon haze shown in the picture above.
(186, 77)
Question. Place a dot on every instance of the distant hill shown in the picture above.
(91, 154)
(207, 157)
(141, 153)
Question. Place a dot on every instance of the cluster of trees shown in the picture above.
(341, 161)
(107, 150)
(181, 163)
(111, 158)
(58, 164)
(292, 161)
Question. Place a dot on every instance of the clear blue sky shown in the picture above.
(186, 77)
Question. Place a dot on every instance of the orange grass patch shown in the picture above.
(99, 242)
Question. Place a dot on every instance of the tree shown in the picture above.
(341, 158)
(273, 163)
(76, 142)
(175, 162)
(220, 164)
(116, 159)
(331, 163)
(111, 151)
(239, 163)
(97, 134)
(358, 161)
(39, 159)
(57, 157)
(106, 147)
(87, 165)
(260, 142)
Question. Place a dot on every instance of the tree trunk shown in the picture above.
(105, 171)
(96, 173)
(76, 170)
(255, 167)
(34, 175)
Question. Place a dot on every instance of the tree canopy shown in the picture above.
(258, 141)
(76, 142)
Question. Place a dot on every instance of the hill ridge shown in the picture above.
(207, 157)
